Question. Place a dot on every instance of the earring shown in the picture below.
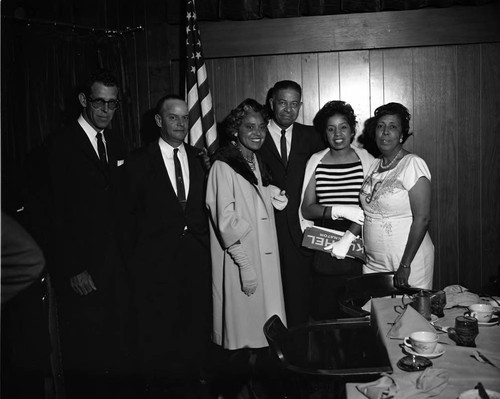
(400, 139)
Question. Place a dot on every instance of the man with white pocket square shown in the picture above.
(84, 162)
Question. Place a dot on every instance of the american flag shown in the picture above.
(202, 127)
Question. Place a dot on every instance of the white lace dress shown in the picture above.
(388, 217)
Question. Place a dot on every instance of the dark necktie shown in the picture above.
(181, 193)
(101, 149)
(283, 147)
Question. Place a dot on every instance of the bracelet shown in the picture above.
(404, 265)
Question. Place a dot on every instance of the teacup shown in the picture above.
(465, 331)
(422, 342)
(481, 311)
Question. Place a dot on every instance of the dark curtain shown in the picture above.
(42, 70)
(256, 9)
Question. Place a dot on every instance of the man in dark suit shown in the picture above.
(83, 165)
(286, 150)
(164, 239)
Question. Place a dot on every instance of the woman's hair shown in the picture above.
(394, 109)
(330, 109)
(232, 122)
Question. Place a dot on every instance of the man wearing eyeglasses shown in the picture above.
(84, 162)
(286, 150)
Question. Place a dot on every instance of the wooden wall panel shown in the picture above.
(398, 83)
(224, 85)
(377, 81)
(245, 78)
(329, 77)
(435, 125)
(452, 94)
(266, 73)
(469, 164)
(344, 32)
(490, 155)
(355, 82)
(310, 88)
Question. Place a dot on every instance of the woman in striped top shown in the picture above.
(330, 198)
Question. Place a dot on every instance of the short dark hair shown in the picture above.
(334, 108)
(286, 84)
(103, 76)
(162, 100)
(395, 109)
(232, 122)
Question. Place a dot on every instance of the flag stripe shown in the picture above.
(202, 126)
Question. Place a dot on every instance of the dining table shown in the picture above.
(464, 367)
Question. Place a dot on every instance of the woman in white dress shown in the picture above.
(396, 198)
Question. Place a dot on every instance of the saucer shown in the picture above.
(492, 322)
(474, 394)
(434, 318)
(413, 363)
(438, 351)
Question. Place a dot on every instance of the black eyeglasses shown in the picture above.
(99, 103)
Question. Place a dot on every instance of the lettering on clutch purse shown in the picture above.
(318, 238)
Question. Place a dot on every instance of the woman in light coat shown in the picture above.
(246, 284)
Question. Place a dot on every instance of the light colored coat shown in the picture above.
(240, 211)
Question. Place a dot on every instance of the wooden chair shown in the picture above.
(360, 289)
(275, 332)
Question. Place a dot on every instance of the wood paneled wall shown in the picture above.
(453, 95)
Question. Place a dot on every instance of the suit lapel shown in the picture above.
(271, 147)
(83, 143)
(296, 141)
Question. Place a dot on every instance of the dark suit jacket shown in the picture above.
(82, 192)
(305, 142)
(166, 250)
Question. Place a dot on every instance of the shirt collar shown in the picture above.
(169, 150)
(89, 130)
(274, 128)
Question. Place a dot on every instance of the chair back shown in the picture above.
(275, 332)
(360, 289)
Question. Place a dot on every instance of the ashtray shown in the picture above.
(413, 363)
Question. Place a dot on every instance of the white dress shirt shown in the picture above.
(92, 135)
(275, 132)
(167, 152)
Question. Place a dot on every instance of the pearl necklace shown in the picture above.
(385, 167)
(251, 161)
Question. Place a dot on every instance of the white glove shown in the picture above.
(248, 275)
(279, 198)
(339, 248)
(353, 213)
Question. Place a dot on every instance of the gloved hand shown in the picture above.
(353, 213)
(279, 198)
(248, 275)
(339, 248)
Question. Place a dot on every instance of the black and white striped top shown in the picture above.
(338, 184)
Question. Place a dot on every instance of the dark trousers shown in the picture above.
(296, 278)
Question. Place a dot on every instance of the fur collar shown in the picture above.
(232, 156)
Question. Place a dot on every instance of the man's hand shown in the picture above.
(82, 283)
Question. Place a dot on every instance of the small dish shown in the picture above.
(474, 394)
(493, 322)
(413, 363)
(434, 318)
(438, 351)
